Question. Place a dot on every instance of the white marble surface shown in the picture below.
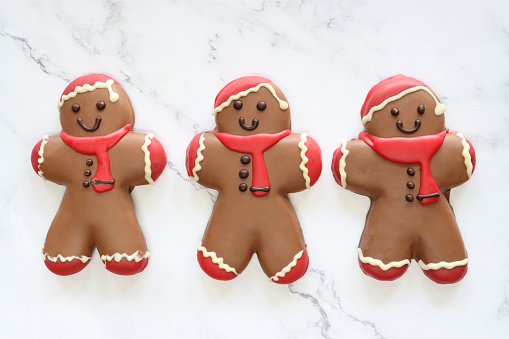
(172, 57)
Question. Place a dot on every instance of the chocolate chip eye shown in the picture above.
(420, 109)
(237, 104)
(261, 106)
(75, 108)
(100, 105)
(395, 111)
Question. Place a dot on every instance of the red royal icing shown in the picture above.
(89, 79)
(471, 151)
(35, 156)
(314, 155)
(191, 153)
(414, 150)
(238, 85)
(99, 147)
(157, 158)
(386, 89)
(255, 145)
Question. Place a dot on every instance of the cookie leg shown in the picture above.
(283, 254)
(121, 244)
(226, 247)
(442, 254)
(68, 247)
(382, 254)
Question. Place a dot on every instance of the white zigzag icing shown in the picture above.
(88, 88)
(199, 158)
(439, 108)
(303, 150)
(442, 264)
(41, 155)
(342, 162)
(282, 104)
(287, 269)
(379, 263)
(117, 257)
(216, 260)
(148, 164)
(46, 256)
(466, 154)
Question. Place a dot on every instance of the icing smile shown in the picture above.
(90, 129)
(253, 126)
(399, 125)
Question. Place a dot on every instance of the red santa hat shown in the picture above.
(241, 87)
(88, 83)
(392, 89)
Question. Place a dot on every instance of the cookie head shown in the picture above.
(93, 105)
(251, 105)
(401, 106)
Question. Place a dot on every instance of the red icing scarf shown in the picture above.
(255, 145)
(411, 150)
(98, 146)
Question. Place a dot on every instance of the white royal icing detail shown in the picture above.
(41, 155)
(89, 88)
(442, 264)
(379, 263)
(342, 162)
(287, 269)
(59, 257)
(148, 163)
(118, 256)
(305, 160)
(466, 154)
(282, 104)
(439, 108)
(216, 260)
(199, 158)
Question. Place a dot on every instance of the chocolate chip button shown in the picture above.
(87, 172)
(86, 183)
(409, 198)
(410, 172)
(90, 162)
(242, 187)
(243, 174)
(245, 159)
(410, 185)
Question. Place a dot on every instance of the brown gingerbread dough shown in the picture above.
(254, 161)
(99, 159)
(407, 162)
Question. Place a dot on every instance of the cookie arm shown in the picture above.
(454, 163)
(204, 162)
(354, 167)
(194, 156)
(37, 157)
(49, 160)
(311, 159)
(154, 157)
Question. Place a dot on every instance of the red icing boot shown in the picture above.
(212, 269)
(376, 272)
(65, 267)
(447, 276)
(296, 272)
(125, 267)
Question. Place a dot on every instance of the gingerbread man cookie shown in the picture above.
(99, 159)
(407, 162)
(253, 160)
